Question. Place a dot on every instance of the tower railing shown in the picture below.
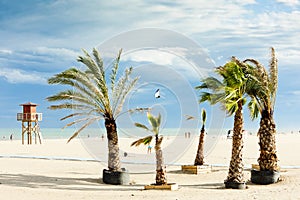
(29, 117)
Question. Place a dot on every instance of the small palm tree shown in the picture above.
(92, 98)
(199, 160)
(155, 126)
(263, 96)
(230, 92)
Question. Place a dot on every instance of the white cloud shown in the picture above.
(62, 53)
(5, 51)
(174, 58)
(289, 2)
(20, 76)
(296, 93)
(152, 56)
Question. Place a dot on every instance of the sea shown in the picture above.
(59, 133)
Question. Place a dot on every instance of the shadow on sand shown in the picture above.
(61, 183)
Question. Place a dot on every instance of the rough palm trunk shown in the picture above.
(267, 143)
(235, 173)
(199, 160)
(113, 146)
(161, 178)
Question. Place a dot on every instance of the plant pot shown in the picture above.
(235, 185)
(264, 177)
(116, 177)
(169, 186)
(196, 169)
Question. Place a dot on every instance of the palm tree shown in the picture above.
(92, 98)
(263, 96)
(230, 92)
(155, 126)
(199, 160)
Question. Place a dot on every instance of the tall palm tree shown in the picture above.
(230, 92)
(199, 160)
(92, 98)
(155, 126)
(263, 96)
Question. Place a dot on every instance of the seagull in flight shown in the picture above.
(157, 94)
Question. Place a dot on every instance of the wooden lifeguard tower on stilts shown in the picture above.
(30, 122)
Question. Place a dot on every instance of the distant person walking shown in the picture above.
(149, 149)
(11, 137)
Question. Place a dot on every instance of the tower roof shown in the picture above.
(29, 104)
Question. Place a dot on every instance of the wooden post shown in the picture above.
(29, 133)
(23, 131)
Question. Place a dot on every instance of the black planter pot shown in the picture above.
(116, 177)
(235, 185)
(264, 177)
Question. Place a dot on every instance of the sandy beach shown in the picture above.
(56, 170)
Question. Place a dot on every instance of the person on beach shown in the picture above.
(149, 149)
(11, 137)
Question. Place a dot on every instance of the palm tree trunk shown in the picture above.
(199, 160)
(235, 173)
(267, 142)
(113, 146)
(161, 178)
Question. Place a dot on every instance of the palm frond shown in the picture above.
(203, 113)
(210, 83)
(262, 74)
(77, 121)
(158, 120)
(146, 140)
(139, 110)
(153, 121)
(68, 105)
(114, 71)
(273, 77)
(254, 108)
(99, 63)
(75, 115)
(231, 107)
(80, 81)
(124, 91)
(79, 130)
(189, 117)
(73, 96)
(139, 125)
(205, 96)
(218, 98)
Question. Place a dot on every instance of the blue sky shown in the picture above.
(40, 38)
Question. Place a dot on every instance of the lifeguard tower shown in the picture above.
(30, 122)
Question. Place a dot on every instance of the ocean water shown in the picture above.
(47, 133)
(58, 133)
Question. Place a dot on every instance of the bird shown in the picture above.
(157, 95)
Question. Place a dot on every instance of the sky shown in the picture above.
(40, 38)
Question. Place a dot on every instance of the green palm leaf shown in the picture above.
(141, 126)
(153, 121)
(146, 140)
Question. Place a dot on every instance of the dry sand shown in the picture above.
(46, 172)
